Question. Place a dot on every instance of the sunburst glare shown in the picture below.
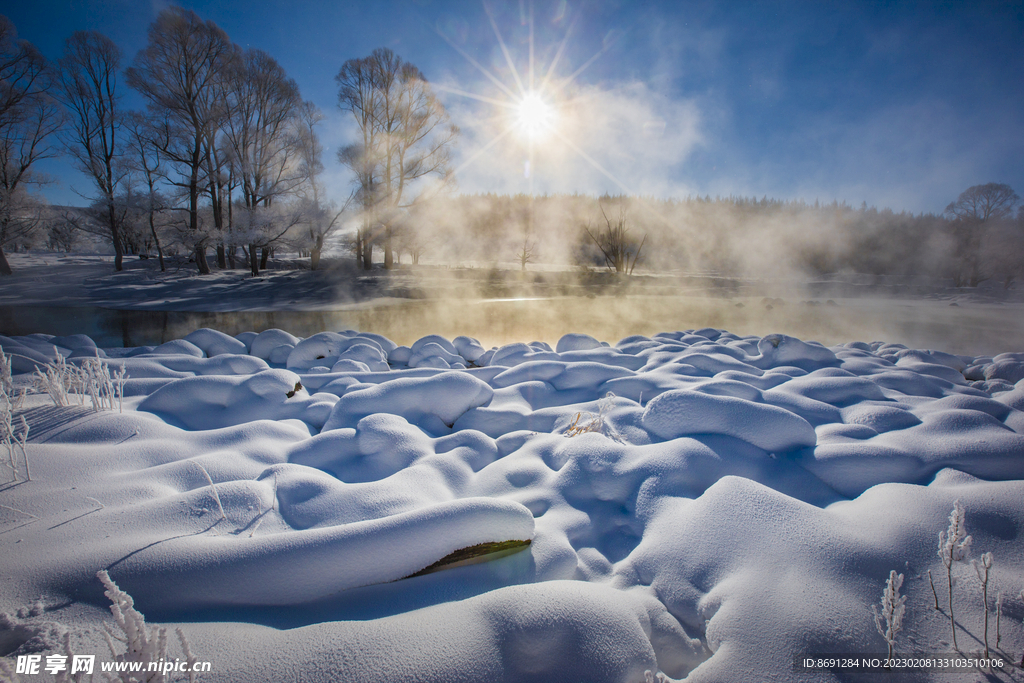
(534, 115)
(534, 106)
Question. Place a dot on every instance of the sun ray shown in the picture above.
(531, 46)
(558, 54)
(533, 112)
(501, 120)
(474, 96)
(494, 79)
(483, 149)
(607, 45)
(504, 49)
(608, 174)
(564, 83)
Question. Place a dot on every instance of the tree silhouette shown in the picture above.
(972, 213)
(181, 74)
(28, 118)
(406, 135)
(87, 86)
(262, 133)
(615, 242)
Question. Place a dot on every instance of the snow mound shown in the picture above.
(215, 343)
(683, 412)
(221, 401)
(696, 503)
(268, 340)
(444, 397)
(312, 564)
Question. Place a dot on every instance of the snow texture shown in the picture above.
(697, 503)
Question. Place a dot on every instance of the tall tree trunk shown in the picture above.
(389, 255)
(216, 204)
(5, 267)
(193, 222)
(118, 256)
(264, 255)
(254, 264)
(118, 247)
(367, 254)
(201, 262)
(314, 254)
(156, 240)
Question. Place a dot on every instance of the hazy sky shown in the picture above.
(899, 104)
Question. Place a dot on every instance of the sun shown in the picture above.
(534, 107)
(534, 115)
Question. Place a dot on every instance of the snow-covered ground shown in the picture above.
(700, 504)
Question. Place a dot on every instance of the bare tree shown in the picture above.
(87, 86)
(28, 119)
(406, 136)
(62, 235)
(972, 213)
(615, 242)
(525, 253)
(180, 74)
(144, 144)
(262, 133)
(984, 202)
(358, 94)
(320, 216)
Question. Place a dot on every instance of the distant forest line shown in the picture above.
(730, 236)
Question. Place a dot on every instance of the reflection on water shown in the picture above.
(968, 329)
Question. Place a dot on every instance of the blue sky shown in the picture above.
(898, 104)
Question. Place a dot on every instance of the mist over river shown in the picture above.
(967, 327)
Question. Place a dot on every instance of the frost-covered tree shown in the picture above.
(145, 141)
(61, 235)
(320, 216)
(87, 86)
(619, 248)
(29, 117)
(406, 136)
(357, 95)
(181, 74)
(263, 139)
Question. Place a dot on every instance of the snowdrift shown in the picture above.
(696, 504)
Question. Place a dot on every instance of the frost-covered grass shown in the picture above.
(144, 644)
(13, 436)
(694, 505)
(63, 382)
